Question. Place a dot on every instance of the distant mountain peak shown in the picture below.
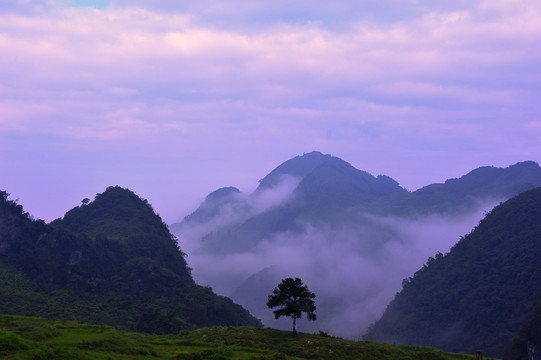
(115, 193)
(213, 204)
(298, 166)
(113, 260)
(222, 193)
(526, 164)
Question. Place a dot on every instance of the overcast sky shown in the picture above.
(174, 99)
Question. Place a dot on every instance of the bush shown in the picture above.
(10, 341)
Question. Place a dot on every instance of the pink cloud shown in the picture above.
(458, 78)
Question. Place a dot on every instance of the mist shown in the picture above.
(239, 208)
(355, 269)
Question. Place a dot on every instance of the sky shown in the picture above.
(174, 99)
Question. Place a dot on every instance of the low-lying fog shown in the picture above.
(355, 270)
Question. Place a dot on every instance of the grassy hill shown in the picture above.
(35, 338)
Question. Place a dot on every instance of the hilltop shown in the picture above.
(110, 261)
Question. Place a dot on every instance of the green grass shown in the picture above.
(29, 338)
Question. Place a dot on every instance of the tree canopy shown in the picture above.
(293, 298)
(479, 294)
(111, 261)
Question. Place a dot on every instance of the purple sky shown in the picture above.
(174, 101)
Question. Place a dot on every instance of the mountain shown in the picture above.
(351, 235)
(299, 166)
(338, 185)
(111, 260)
(479, 294)
(482, 184)
(319, 188)
(329, 190)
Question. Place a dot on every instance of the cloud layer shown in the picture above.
(355, 270)
(147, 94)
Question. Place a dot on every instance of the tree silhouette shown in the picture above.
(293, 298)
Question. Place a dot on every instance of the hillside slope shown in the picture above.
(110, 261)
(318, 188)
(330, 191)
(527, 344)
(317, 217)
(480, 293)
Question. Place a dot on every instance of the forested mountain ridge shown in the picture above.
(479, 294)
(299, 166)
(121, 219)
(337, 184)
(330, 190)
(481, 184)
(321, 187)
(110, 261)
(315, 205)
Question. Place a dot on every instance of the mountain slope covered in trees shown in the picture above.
(110, 261)
(527, 344)
(479, 294)
(314, 209)
(328, 190)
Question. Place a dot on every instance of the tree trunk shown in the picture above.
(294, 330)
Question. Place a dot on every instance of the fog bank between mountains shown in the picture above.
(354, 268)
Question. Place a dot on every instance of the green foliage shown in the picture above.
(478, 295)
(116, 342)
(293, 298)
(85, 342)
(111, 261)
(10, 341)
(207, 354)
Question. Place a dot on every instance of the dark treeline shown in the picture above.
(109, 261)
(479, 294)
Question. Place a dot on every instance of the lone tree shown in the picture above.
(293, 298)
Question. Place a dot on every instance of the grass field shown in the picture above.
(29, 338)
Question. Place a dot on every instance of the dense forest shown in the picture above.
(479, 294)
(527, 344)
(108, 261)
